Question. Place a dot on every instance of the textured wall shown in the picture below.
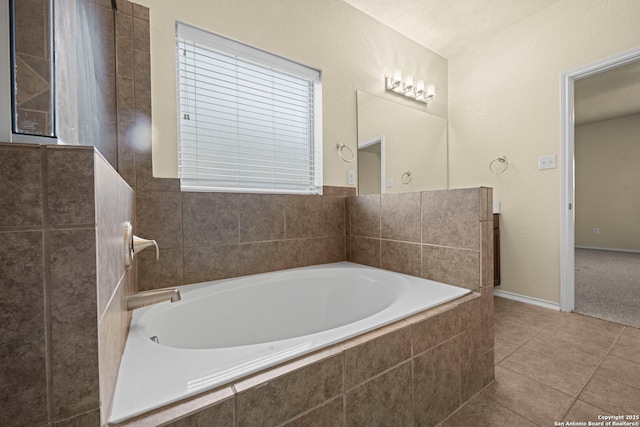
(504, 99)
(352, 50)
(607, 182)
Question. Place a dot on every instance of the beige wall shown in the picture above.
(415, 141)
(504, 99)
(352, 50)
(607, 181)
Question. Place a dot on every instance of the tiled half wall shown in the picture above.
(63, 323)
(444, 235)
(210, 236)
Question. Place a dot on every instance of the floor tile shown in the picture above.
(528, 398)
(589, 332)
(611, 396)
(502, 303)
(580, 320)
(482, 411)
(535, 364)
(628, 345)
(582, 411)
(622, 370)
(536, 316)
(568, 348)
(514, 331)
(502, 349)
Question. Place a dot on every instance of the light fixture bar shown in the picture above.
(407, 87)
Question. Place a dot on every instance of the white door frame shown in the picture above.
(567, 212)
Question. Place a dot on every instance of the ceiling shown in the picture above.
(447, 26)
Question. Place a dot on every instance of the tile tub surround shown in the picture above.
(210, 236)
(63, 278)
(443, 235)
(413, 372)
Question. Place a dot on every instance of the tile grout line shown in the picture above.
(593, 373)
(46, 273)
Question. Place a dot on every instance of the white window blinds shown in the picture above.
(249, 121)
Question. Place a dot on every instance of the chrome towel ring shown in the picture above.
(342, 147)
(499, 165)
(406, 177)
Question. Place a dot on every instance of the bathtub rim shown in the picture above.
(336, 344)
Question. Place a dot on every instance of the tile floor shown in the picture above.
(556, 367)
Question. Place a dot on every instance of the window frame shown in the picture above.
(227, 46)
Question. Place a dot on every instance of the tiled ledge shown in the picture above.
(423, 368)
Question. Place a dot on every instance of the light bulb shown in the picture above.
(397, 77)
(419, 87)
(431, 91)
(408, 83)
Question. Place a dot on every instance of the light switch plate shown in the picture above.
(351, 177)
(547, 162)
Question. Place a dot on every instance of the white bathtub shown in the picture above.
(226, 329)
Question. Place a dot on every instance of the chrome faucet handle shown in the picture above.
(138, 244)
(134, 244)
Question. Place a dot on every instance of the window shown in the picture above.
(249, 121)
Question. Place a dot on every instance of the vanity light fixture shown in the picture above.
(407, 88)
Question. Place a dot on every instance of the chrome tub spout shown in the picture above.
(152, 297)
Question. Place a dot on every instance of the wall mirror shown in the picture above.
(400, 148)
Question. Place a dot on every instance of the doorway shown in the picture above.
(568, 225)
(371, 166)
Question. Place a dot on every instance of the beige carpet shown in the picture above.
(608, 285)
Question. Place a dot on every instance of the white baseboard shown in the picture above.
(527, 300)
(636, 251)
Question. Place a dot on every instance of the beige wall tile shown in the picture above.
(384, 400)
(365, 251)
(365, 216)
(304, 216)
(327, 415)
(304, 252)
(218, 415)
(451, 218)
(159, 217)
(434, 330)
(22, 358)
(401, 257)
(70, 188)
(162, 273)
(375, 356)
(210, 219)
(206, 263)
(334, 215)
(20, 187)
(263, 256)
(88, 419)
(289, 395)
(486, 256)
(437, 383)
(74, 321)
(261, 217)
(476, 366)
(400, 217)
(458, 267)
